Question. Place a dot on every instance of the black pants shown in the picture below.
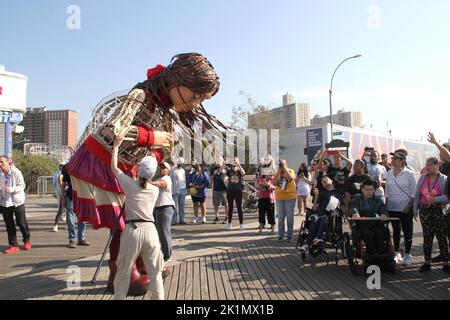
(405, 224)
(233, 195)
(60, 212)
(434, 223)
(266, 209)
(21, 221)
(373, 236)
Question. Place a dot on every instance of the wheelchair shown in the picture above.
(333, 239)
(355, 248)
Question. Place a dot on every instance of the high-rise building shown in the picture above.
(343, 118)
(290, 115)
(51, 127)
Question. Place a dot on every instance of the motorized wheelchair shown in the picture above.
(355, 248)
(333, 238)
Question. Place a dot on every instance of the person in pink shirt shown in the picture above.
(266, 201)
(430, 205)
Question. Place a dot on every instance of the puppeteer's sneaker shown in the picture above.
(55, 228)
(241, 227)
(229, 227)
(27, 245)
(408, 260)
(64, 217)
(204, 220)
(194, 220)
(398, 257)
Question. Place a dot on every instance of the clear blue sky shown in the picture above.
(262, 47)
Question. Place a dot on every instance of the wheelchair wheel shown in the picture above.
(349, 253)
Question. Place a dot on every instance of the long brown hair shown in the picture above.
(195, 72)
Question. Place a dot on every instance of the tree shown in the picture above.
(33, 167)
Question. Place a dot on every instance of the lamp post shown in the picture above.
(331, 91)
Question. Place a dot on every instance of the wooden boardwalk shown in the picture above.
(213, 264)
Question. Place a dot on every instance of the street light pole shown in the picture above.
(331, 91)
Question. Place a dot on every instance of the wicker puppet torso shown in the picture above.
(132, 110)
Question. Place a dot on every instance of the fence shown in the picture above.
(42, 186)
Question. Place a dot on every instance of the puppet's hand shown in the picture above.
(162, 138)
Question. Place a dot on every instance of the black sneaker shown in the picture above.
(216, 221)
(426, 267)
(446, 268)
(280, 238)
(225, 221)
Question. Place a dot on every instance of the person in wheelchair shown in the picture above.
(327, 202)
(368, 205)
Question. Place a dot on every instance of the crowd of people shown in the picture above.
(372, 186)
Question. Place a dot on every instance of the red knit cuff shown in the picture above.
(146, 137)
(159, 155)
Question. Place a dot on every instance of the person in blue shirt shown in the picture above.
(368, 205)
(198, 182)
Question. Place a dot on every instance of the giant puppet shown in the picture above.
(146, 116)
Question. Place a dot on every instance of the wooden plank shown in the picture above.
(255, 282)
(272, 266)
(174, 282)
(211, 279)
(227, 282)
(240, 288)
(270, 286)
(196, 282)
(204, 287)
(181, 282)
(188, 295)
(220, 281)
(249, 291)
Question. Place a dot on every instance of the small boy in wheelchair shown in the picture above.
(373, 233)
(325, 204)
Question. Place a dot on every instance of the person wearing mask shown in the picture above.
(71, 217)
(57, 181)
(140, 236)
(444, 154)
(303, 182)
(235, 186)
(286, 197)
(355, 183)
(12, 190)
(430, 205)
(198, 182)
(377, 173)
(164, 210)
(400, 193)
(217, 174)
(367, 205)
(385, 162)
(266, 201)
(178, 177)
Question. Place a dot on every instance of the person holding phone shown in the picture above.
(303, 182)
(235, 186)
(286, 197)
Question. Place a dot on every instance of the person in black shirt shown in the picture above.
(340, 174)
(235, 187)
(355, 182)
(217, 173)
(71, 218)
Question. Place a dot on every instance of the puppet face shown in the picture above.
(184, 99)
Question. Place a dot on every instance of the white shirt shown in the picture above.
(180, 175)
(165, 195)
(398, 199)
(6, 181)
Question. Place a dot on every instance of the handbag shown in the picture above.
(408, 209)
(193, 191)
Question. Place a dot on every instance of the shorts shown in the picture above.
(197, 199)
(219, 198)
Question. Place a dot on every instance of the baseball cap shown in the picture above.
(164, 165)
(148, 167)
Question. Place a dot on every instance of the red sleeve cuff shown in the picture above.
(146, 137)
(159, 155)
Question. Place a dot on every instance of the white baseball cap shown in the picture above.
(148, 167)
